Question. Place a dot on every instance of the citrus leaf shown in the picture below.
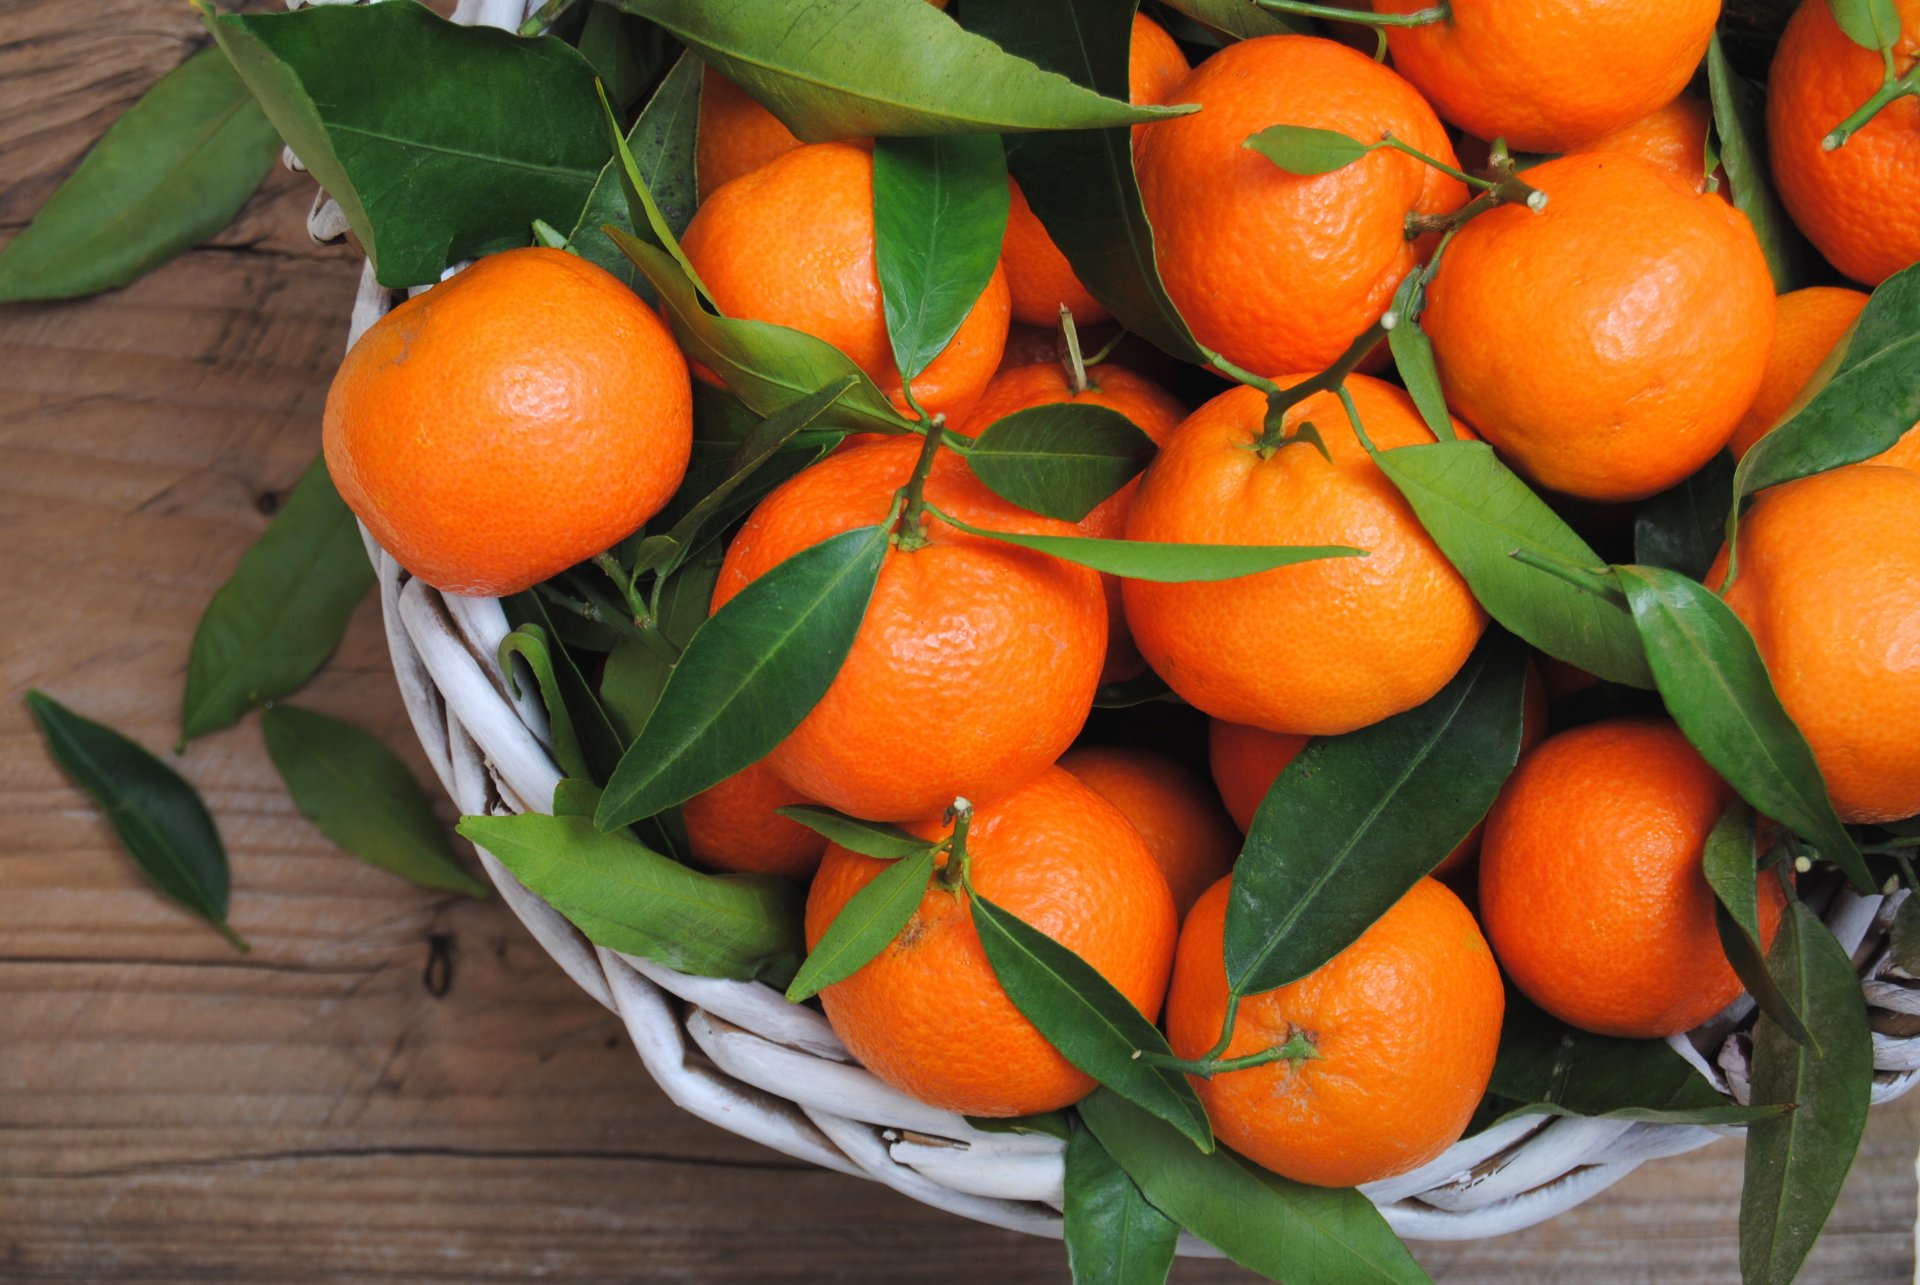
(1715, 685)
(1478, 512)
(627, 53)
(1080, 183)
(875, 839)
(1114, 1237)
(1092, 1024)
(1060, 459)
(167, 175)
(1354, 821)
(440, 141)
(1682, 528)
(1739, 123)
(638, 667)
(1286, 1231)
(939, 215)
(866, 925)
(1798, 1159)
(363, 798)
(1732, 871)
(1904, 938)
(282, 611)
(1125, 693)
(1871, 24)
(1166, 563)
(749, 675)
(661, 145)
(160, 819)
(1303, 150)
(568, 697)
(1871, 400)
(1243, 19)
(1413, 354)
(1051, 1124)
(529, 643)
(885, 67)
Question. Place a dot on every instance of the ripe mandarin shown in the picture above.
(1190, 836)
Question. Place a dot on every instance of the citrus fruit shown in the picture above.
(1403, 1025)
(1590, 883)
(1674, 137)
(1318, 647)
(1829, 583)
(514, 420)
(1549, 75)
(1275, 271)
(1607, 344)
(975, 664)
(792, 243)
(1807, 324)
(1153, 411)
(733, 826)
(1860, 203)
(1190, 836)
(928, 1016)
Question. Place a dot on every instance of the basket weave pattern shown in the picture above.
(738, 1055)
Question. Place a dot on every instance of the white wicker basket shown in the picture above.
(737, 1054)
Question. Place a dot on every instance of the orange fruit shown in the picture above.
(1829, 584)
(1807, 324)
(1319, 647)
(1153, 410)
(975, 664)
(1860, 203)
(518, 418)
(1608, 344)
(1674, 137)
(1550, 75)
(1277, 272)
(792, 243)
(1404, 1022)
(1038, 275)
(733, 826)
(928, 1016)
(1190, 835)
(1590, 883)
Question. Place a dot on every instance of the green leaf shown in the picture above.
(529, 643)
(1303, 150)
(1091, 1023)
(1871, 24)
(1870, 402)
(161, 821)
(1052, 1124)
(363, 798)
(661, 143)
(1730, 865)
(1114, 1237)
(637, 669)
(441, 142)
(1904, 939)
(1682, 528)
(167, 175)
(1286, 1231)
(280, 615)
(751, 673)
(1060, 459)
(1139, 690)
(939, 215)
(1166, 563)
(1354, 821)
(573, 711)
(876, 839)
(1739, 122)
(860, 67)
(1080, 183)
(1413, 354)
(627, 53)
(1478, 512)
(1243, 19)
(866, 925)
(1715, 685)
(629, 898)
(1798, 1159)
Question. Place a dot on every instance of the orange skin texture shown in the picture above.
(1829, 584)
(975, 665)
(1549, 75)
(1607, 345)
(792, 243)
(1153, 410)
(1807, 324)
(1275, 271)
(1674, 137)
(1320, 647)
(733, 826)
(1190, 835)
(1859, 204)
(1406, 1021)
(512, 421)
(1590, 883)
(927, 1014)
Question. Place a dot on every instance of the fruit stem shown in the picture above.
(954, 873)
(1597, 581)
(1273, 433)
(1076, 368)
(910, 534)
(1484, 185)
(1297, 1048)
(1227, 1021)
(1891, 87)
(1508, 191)
(1334, 13)
(545, 16)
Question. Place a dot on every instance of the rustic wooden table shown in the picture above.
(170, 1110)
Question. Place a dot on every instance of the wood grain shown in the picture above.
(172, 1111)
